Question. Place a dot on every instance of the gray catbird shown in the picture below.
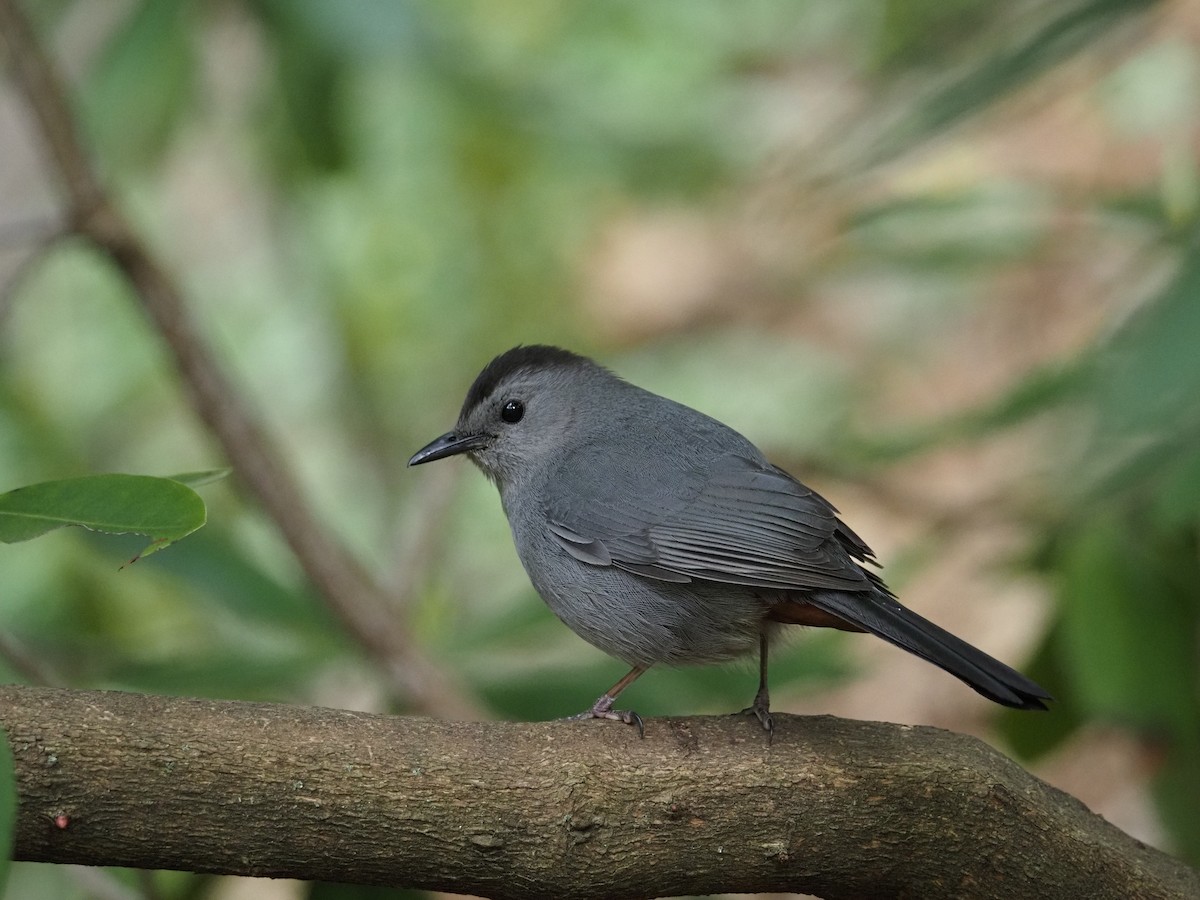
(662, 536)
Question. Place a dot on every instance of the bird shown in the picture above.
(663, 536)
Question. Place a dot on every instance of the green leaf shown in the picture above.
(8, 808)
(1176, 787)
(1033, 736)
(1127, 587)
(161, 508)
(1078, 26)
(1154, 377)
(138, 92)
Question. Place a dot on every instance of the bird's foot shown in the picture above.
(602, 709)
(761, 710)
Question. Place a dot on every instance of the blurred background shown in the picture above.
(938, 259)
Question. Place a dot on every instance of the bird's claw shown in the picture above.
(603, 710)
(761, 710)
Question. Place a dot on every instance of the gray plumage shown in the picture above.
(660, 535)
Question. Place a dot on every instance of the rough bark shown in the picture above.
(830, 807)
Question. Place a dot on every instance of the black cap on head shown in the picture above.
(533, 356)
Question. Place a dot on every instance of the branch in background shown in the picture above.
(422, 550)
(362, 606)
(28, 665)
(562, 809)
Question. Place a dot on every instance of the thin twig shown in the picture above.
(28, 666)
(421, 548)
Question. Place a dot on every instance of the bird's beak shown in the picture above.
(448, 445)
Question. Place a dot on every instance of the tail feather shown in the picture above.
(882, 615)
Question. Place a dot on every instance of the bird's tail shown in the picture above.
(882, 615)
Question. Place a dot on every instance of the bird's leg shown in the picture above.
(761, 707)
(602, 708)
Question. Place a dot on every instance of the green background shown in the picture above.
(938, 259)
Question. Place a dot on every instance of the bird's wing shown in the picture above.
(734, 520)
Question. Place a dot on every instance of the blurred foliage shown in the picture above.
(1124, 557)
(1050, 39)
(367, 200)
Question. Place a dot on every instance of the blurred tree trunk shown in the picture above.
(562, 809)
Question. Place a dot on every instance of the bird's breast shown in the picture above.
(639, 620)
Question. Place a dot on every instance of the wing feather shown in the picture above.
(737, 521)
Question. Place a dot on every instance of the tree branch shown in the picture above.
(354, 596)
(560, 809)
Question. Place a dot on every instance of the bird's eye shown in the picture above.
(513, 411)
